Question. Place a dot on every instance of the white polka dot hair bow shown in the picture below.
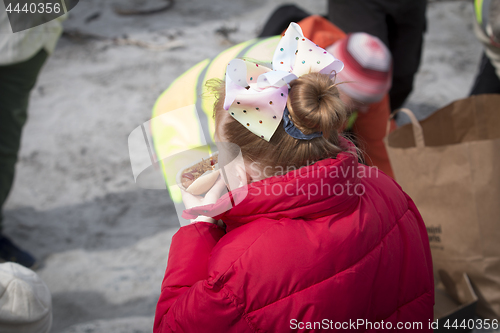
(256, 95)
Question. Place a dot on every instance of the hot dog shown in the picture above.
(200, 177)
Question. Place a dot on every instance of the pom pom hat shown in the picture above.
(368, 67)
(256, 95)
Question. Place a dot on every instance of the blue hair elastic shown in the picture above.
(293, 131)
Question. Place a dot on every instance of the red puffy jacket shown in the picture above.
(330, 245)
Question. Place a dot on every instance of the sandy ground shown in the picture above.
(103, 242)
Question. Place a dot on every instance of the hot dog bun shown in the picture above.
(204, 183)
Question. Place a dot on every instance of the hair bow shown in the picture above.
(256, 95)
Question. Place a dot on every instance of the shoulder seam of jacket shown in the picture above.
(232, 298)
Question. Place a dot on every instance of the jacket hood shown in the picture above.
(325, 187)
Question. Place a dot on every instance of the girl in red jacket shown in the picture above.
(309, 239)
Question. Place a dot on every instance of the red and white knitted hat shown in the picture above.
(367, 67)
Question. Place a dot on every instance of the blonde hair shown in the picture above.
(314, 105)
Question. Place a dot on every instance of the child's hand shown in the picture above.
(210, 197)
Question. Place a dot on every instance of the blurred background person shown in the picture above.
(487, 30)
(367, 80)
(399, 24)
(22, 55)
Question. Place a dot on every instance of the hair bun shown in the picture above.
(314, 105)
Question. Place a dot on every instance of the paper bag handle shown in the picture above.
(418, 134)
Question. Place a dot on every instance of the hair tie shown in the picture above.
(293, 131)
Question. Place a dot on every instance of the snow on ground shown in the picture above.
(103, 242)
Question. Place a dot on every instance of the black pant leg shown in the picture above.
(16, 82)
(487, 81)
(359, 16)
(281, 18)
(407, 25)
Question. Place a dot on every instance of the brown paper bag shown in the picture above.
(449, 164)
